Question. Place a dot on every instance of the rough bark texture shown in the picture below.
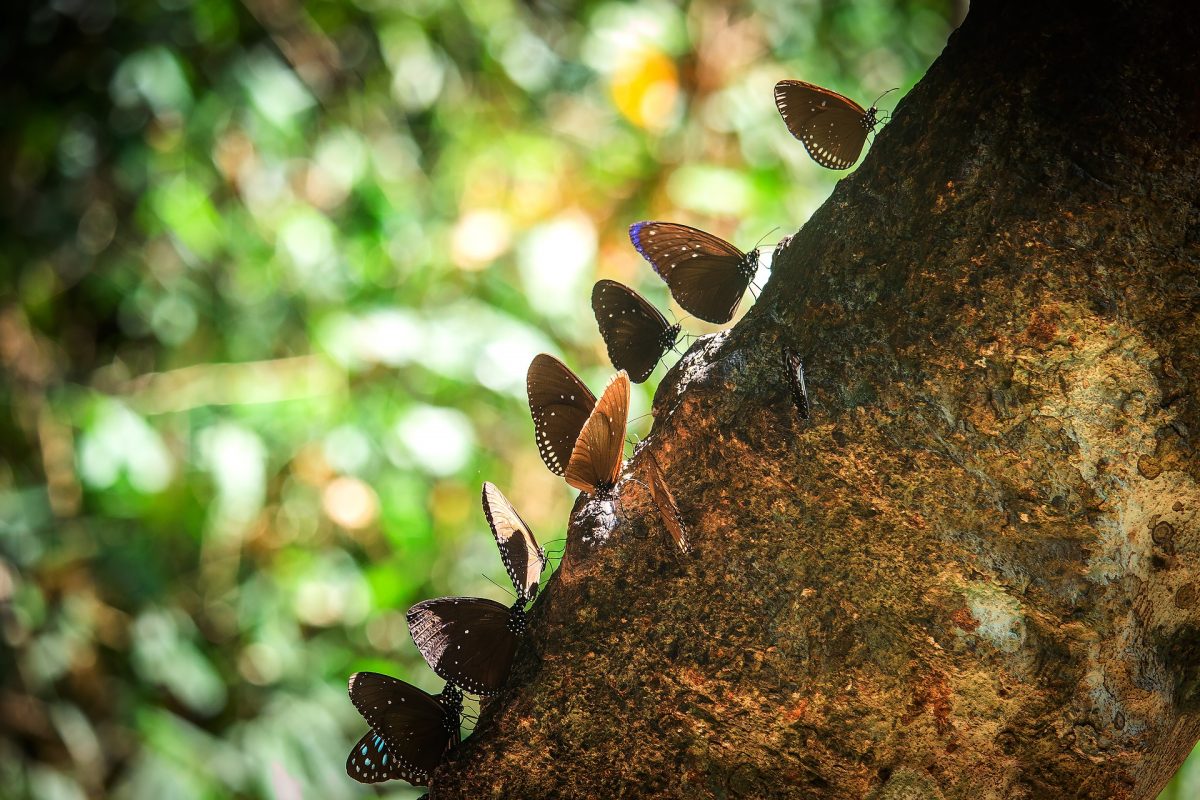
(976, 571)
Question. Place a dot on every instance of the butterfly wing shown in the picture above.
(595, 462)
(560, 404)
(468, 641)
(523, 559)
(409, 731)
(667, 509)
(794, 367)
(635, 332)
(832, 127)
(370, 761)
(707, 275)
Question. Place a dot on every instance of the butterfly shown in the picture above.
(410, 729)
(560, 404)
(523, 559)
(635, 333)
(595, 463)
(707, 276)
(468, 641)
(794, 368)
(832, 128)
(667, 509)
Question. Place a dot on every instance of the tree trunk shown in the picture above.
(976, 571)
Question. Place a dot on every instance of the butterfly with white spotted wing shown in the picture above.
(410, 733)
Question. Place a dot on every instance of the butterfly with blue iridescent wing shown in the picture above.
(410, 733)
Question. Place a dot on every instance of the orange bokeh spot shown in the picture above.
(645, 88)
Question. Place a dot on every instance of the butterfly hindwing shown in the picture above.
(560, 403)
(636, 334)
(370, 761)
(411, 730)
(595, 463)
(833, 128)
(707, 275)
(468, 641)
(523, 559)
(667, 508)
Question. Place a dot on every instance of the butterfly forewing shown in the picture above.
(794, 367)
(832, 127)
(410, 729)
(595, 463)
(667, 509)
(468, 641)
(560, 404)
(635, 332)
(523, 559)
(707, 275)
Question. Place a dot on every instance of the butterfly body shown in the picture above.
(410, 733)
(635, 333)
(707, 275)
(523, 558)
(468, 641)
(832, 127)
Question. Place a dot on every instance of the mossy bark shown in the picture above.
(975, 573)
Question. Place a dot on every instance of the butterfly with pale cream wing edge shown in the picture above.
(560, 403)
(523, 558)
(833, 128)
(635, 333)
(707, 275)
(595, 464)
(410, 733)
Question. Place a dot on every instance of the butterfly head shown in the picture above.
(871, 118)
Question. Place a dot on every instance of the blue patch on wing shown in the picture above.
(635, 236)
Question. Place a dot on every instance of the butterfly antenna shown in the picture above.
(765, 235)
(498, 586)
(885, 94)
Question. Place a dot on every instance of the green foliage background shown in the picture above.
(272, 276)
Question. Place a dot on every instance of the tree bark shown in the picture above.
(975, 573)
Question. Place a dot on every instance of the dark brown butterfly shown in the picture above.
(667, 509)
(523, 559)
(595, 462)
(635, 333)
(793, 367)
(468, 641)
(832, 128)
(707, 276)
(410, 729)
(560, 404)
